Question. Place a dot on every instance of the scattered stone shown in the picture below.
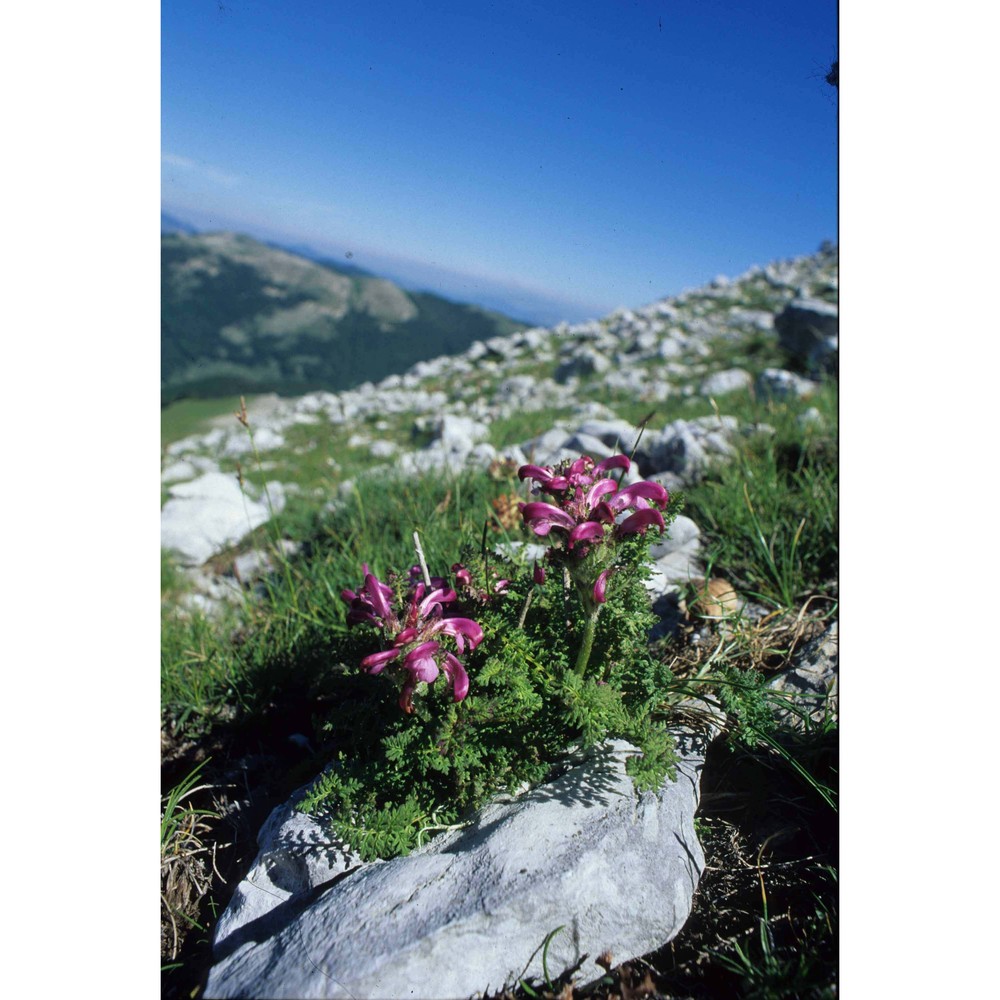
(253, 565)
(459, 433)
(685, 447)
(726, 381)
(776, 383)
(616, 434)
(585, 444)
(808, 330)
(669, 349)
(811, 683)
(754, 319)
(524, 553)
(585, 362)
(383, 449)
(811, 418)
(239, 442)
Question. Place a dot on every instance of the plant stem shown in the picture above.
(587, 643)
(420, 556)
(524, 610)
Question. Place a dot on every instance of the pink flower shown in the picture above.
(371, 603)
(588, 501)
(580, 472)
(413, 633)
(589, 510)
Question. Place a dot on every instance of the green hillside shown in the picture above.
(239, 316)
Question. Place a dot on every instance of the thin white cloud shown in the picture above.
(178, 161)
(203, 169)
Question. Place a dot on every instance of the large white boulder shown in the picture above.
(467, 913)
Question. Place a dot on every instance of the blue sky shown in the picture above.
(556, 158)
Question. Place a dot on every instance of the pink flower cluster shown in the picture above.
(415, 633)
(587, 505)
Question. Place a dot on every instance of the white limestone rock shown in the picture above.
(675, 556)
(466, 914)
(618, 434)
(685, 447)
(383, 449)
(459, 433)
(265, 438)
(208, 513)
(811, 419)
(729, 380)
(585, 444)
(257, 563)
(776, 383)
(176, 471)
(755, 319)
(670, 348)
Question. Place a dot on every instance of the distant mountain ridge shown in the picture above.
(171, 224)
(241, 316)
(509, 297)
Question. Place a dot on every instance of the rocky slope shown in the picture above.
(772, 330)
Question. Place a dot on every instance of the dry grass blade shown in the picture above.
(184, 876)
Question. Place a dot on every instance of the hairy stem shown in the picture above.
(587, 643)
(524, 610)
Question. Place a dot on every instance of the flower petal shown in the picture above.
(598, 490)
(585, 531)
(461, 629)
(543, 517)
(374, 663)
(462, 575)
(406, 696)
(378, 595)
(420, 662)
(538, 472)
(629, 496)
(640, 521)
(614, 462)
(602, 512)
(436, 597)
(455, 673)
(556, 485)
(600, 586)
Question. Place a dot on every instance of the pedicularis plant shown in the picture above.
(486, 682)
